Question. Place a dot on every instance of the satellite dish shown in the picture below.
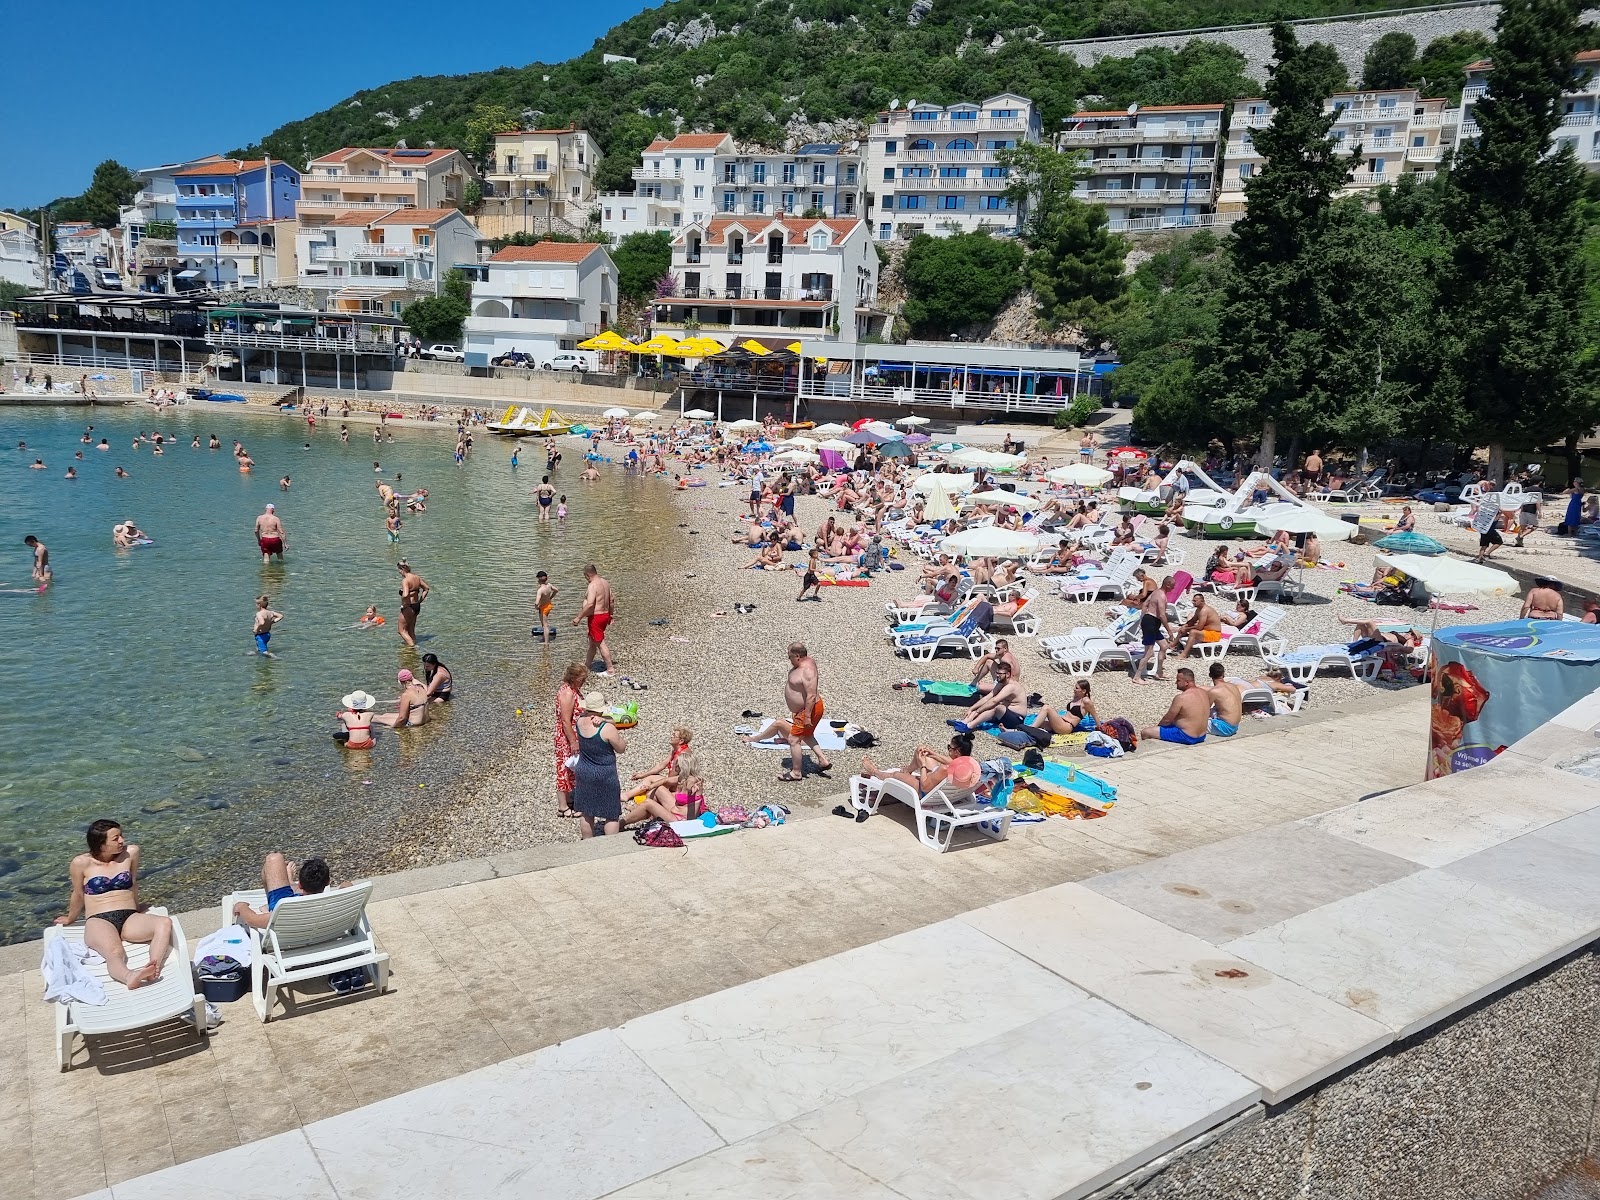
(913, 103)
(1132, 108)
(894, 104)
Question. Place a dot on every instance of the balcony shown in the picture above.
(1425, 154)
(532, 327)
(1474, 91)
(1368, 179)
(377, 285)
(378, 250)
(211, 200)
(1250, 120)
(1197, 193)
(941, 183)
(1131, 165)
(646, 174)
(1434, 120)
(202, 223)
(290, 341)
(146, 198)
(358, 179)
(310, 204)
(1373, 112)
(1574, 119)
(938, 156)
(945, 125)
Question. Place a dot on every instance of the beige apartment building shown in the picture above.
(1397, 131)
(379, 179)
(541, 175)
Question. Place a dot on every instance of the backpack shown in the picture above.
(861, 740)
(1122, 729)
(657, 832)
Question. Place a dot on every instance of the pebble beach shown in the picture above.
(705, 665)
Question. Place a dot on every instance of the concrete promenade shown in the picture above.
(490, 964)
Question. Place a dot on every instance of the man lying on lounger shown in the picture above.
(278, 878)
(1187, 716)
(1006, 705)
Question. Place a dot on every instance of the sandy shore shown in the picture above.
(705, 671)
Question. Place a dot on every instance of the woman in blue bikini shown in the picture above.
(105, 888)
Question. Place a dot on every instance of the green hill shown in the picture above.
(750, 66)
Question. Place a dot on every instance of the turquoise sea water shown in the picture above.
(132, 690)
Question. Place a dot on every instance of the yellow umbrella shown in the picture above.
(609, 340)
(703, 346)
(754, 347)
(660, 344)
(795, 346)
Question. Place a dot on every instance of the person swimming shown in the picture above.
(370, 619)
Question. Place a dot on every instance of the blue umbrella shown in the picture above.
(1411, 543)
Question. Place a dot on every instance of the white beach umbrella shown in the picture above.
(991, 542)
(935, 481)
(745, 423)
(913, 420)
(991, 459)
(644, 415)
(794, 456)
(1300, 518)
(804, 443)
(831, 428)
(842, 447)
(699, 414)
(1002, 499)
(1079, 473)
(1452, 576)
(938, 506)
(614, 412)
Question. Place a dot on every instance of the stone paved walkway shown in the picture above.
(492, 969)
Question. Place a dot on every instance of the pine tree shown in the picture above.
(1515, 282)
(1268, 363)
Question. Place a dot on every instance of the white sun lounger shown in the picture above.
(309, 937)
(1302, 664)
(938, 814)
(171, 996)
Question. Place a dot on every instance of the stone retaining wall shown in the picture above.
(1351, 36)
(1487, 1106)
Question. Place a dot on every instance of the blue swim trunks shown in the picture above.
(1221, 728)
(1171, 733)
(261, 642)
(277, 894)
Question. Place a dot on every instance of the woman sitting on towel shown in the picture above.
(771, 556)
(1079, 716)
(928, 767)
(678, 796)
(642, 783)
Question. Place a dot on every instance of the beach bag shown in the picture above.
(657, 832)
(1122, 729)
(732, 815)
(861, 740)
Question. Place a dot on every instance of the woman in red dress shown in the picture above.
(569, 698)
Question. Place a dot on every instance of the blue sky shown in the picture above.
(66, 104)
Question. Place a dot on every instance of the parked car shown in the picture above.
(567, 362)
(443, 352)
(513, 358)
(108, 279)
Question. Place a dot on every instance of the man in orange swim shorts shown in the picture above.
(803, 698)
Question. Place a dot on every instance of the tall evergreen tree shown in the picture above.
(1515, 282)
(1267, 365)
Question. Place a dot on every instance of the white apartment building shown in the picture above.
(358, 261)
(933, 170)
(541, 300)
(1152, 168)
(19, 251)
(542, 173)
(151, 261)
(376, 179)
(697, 175)
(1398, 132)
(773, 276)
(1580, 107)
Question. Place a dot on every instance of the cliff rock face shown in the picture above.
(691, 35)
(919, 10)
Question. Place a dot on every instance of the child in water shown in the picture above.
(372, 618)
(561, 509)
(545, 600)
(266, 618)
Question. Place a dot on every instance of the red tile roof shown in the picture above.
(548, 132)
(358, 219)
(1485, 64)
(546, 252)
(697, 141)
(344, 153)
(416, 216)
(225, 166)
(796, 229)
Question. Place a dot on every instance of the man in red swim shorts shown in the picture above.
(269, 534)
(599, 606)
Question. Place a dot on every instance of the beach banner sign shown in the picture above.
(1495, 684)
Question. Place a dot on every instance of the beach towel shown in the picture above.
(940, 691)
(829, 737)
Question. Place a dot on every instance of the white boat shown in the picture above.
(1154, 501)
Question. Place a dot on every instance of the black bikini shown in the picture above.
(99, 885)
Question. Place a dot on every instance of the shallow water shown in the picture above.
(133, 690)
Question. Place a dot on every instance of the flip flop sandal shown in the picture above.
(788, 777)
(749, 712)
(840, 810)
(744, 730)
(822, 772)
(567, 812)
(862, 816)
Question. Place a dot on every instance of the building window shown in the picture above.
(888, 172)
(1003, 113)
(891, 146)
(912, 201)
(948, 202)
(788, 202)
(817, 199)
(208, 239)
(1246, 170)
(1375, 165)
(959, 144)
(1419, 141)
(424, 239)
(788, 172)
(993, 203)
(952, 172)
(699, 164)
(820, 239)
(728, 201)
(407, 173)
(915, 172)
(691, 283)
(964, 114)
(885, 231)
(730, 172)
(850, 174)
(608, 214)
(847, 204)
(395, 306)
(997, 144)
(758, 202)
(699, 191)
(920, 144)
(925, 114)
(819, 173)
(1387, 102)
(996, 172)
(511, 164)
(733, 283)
(758, 172)
(1385, 131)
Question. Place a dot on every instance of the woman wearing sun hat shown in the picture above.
(597, 791)
(357, 721)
